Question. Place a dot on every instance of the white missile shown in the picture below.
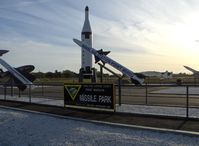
(86, 37)
(110, 61)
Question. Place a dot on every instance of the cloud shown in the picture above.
(20, 3)
(45, 57)
(137, 28)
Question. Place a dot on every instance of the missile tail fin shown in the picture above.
(101, 52)
(97, 59)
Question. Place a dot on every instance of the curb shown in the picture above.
(163, 130)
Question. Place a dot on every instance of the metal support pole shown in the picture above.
(30, 93)
(94, 75)
(19, 93)
(187, 102)
(5, 92)
(119, 80)
(146, 100)
(195, 80)
(101, 74)
(12, 82)
(42, 88)
(81, 75)
(11, 90)
(119, 90)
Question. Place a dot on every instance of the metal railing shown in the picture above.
(184, 96)
(153, 94)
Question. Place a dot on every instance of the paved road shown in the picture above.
(26, 128)
(131, 119)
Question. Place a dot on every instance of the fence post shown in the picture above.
(119, 90)
(19, 93)
(29, 93)
(5, 92)
(11, 90)
(187, 102)
(42, 88)
(146, 100)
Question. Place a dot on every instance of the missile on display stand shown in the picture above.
(105, 59)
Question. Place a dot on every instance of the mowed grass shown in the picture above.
(114, 80)
(60, 81)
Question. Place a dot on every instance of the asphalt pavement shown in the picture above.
(166, 122)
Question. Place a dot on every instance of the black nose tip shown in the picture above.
(86, 9)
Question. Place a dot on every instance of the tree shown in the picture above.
(49, 75)
(68, 74)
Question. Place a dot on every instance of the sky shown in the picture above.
(143, 35)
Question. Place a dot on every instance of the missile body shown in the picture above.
(12, 70)
(110, 61)
(191, 69)
(15, 73)
(86, 37)
(3, 52)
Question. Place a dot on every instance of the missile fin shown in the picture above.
(103, 52)
(97, 59)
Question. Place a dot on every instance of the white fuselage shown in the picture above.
(86, 37)
(165, 75)
(195, 72)
(109, 61)
(86, 57)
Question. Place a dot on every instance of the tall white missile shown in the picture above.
(111, 62)
(86, 37)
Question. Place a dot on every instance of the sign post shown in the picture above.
(90, 96)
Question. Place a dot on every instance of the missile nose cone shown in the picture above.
(86, 26)
(3, 52)
(86, 9)
(77, 42)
